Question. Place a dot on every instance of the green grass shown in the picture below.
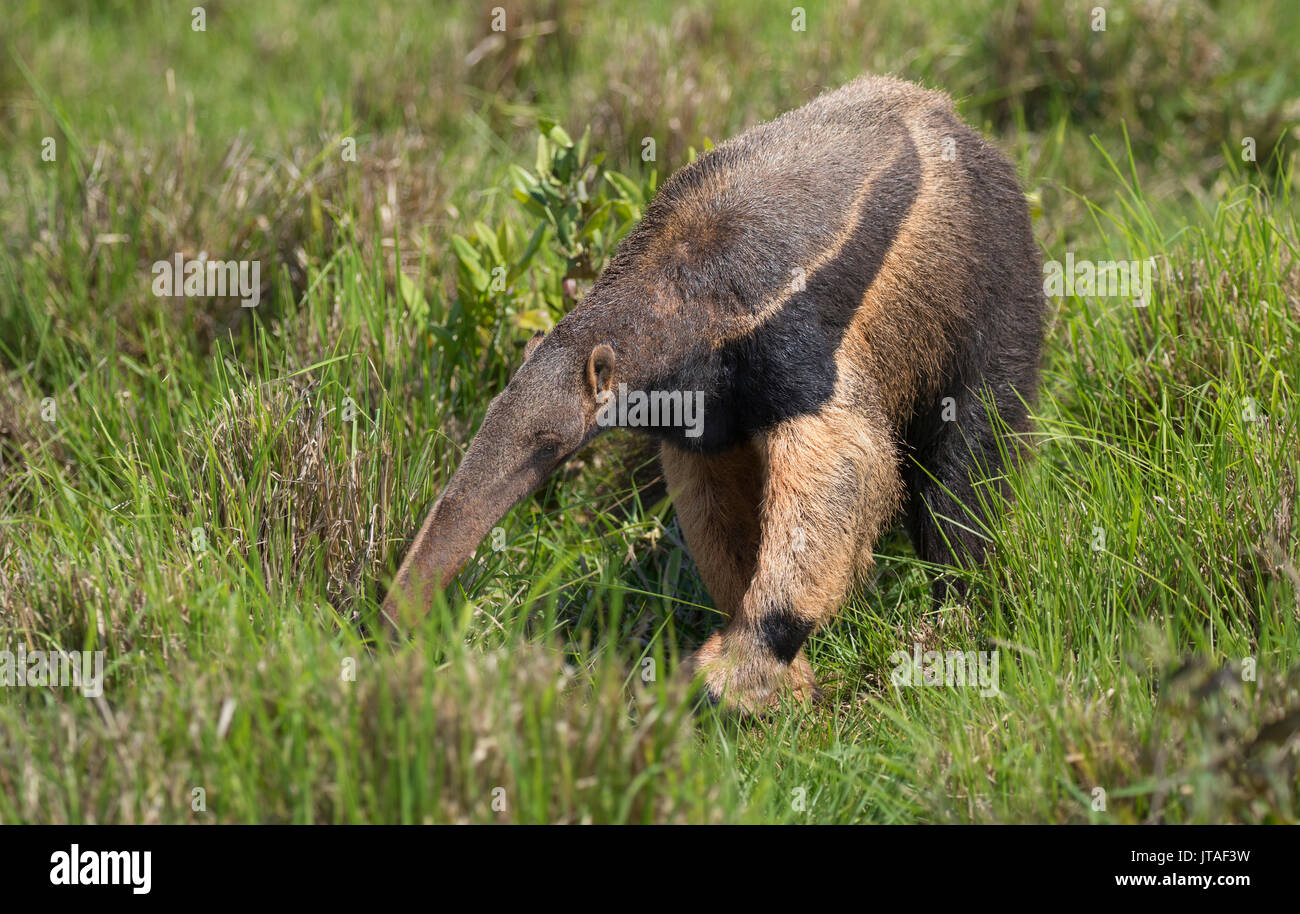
(220, 492)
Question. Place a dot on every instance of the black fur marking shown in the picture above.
(784, 633)
(786, 368)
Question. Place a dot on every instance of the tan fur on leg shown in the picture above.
(831, 486)
(716, 498)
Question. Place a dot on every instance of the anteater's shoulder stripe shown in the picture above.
(732, 326)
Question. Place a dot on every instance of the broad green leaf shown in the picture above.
(537, 319)
(559, 137)
(488, 238)
(626, 187)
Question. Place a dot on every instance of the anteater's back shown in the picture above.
(857, 242)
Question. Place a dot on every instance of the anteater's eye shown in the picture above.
(547, 445)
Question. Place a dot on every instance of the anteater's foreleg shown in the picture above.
(831, 485)
(716, 498)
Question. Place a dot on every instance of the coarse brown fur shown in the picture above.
(855, 289)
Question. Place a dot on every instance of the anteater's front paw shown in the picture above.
(747, 678)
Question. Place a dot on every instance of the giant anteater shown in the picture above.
(854, 293)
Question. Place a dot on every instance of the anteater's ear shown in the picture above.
(600, 370)
(533, 344)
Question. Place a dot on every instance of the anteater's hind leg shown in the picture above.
(953, 447)
(830, 486)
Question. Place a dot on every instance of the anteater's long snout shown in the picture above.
(484, 487)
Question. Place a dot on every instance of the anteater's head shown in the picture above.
(544, 416)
